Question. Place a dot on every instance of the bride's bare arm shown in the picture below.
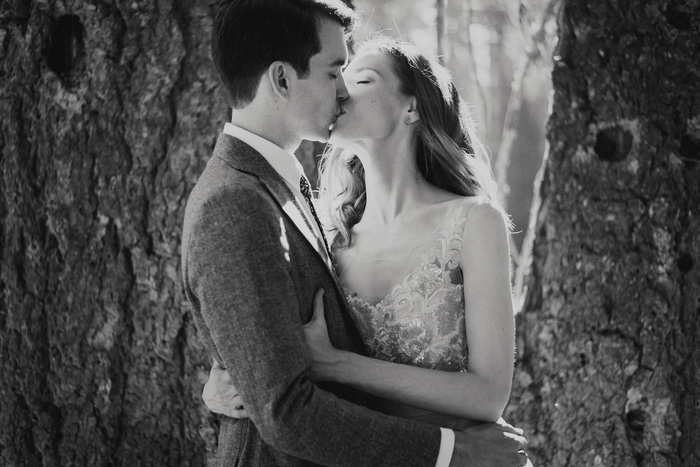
(480, 393)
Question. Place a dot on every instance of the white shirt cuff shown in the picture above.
(447, 446)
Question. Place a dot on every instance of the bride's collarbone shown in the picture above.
(398, 237)
(390, 245)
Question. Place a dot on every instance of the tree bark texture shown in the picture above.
(110, 110)
(609, 329)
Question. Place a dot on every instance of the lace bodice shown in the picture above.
(420, 322)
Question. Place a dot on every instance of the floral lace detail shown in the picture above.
(421, 321)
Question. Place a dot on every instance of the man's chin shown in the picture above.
(315, 139)
(319, 137)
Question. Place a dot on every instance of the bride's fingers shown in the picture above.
(318, 304)
(237, 402)
(520, 441)
(508, 428)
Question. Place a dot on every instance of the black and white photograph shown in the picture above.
(350, 233)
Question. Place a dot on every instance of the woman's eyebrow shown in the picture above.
(369, 68)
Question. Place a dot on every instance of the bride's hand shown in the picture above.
(220, 395)
(323, 354)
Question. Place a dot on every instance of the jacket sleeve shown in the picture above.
(237, 273)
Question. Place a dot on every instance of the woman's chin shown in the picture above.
(340, 137)
(336, 138)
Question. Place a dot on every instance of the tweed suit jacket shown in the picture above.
(250, 275)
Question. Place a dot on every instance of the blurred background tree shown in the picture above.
(499, 53)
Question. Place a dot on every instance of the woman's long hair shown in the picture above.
(448, 153)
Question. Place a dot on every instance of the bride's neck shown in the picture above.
(394, 185)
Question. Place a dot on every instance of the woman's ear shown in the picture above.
(412, 114)
(278, 76)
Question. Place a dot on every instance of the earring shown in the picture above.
(407, 120)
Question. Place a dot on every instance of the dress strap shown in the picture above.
(458, 217)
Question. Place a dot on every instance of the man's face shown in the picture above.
(316, 100)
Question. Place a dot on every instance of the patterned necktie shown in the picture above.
(306, 191)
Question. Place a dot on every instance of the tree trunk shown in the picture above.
(609, 340)
(109, 113)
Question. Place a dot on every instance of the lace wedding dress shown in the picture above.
(420, 321)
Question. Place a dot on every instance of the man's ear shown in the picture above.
(412, 115)
(278, 74)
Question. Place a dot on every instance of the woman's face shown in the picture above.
(376, 106)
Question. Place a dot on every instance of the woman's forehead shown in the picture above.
(376, 59)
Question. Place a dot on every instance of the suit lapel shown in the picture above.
(246, 159)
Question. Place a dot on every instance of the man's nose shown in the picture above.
(341, 92)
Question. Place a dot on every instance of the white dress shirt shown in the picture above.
(291, 171)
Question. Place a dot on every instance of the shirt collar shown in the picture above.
(284, 163)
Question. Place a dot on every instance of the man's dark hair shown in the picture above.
(248, 35)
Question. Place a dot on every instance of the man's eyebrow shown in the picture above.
(337, 62)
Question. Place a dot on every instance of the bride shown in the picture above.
(420, 247)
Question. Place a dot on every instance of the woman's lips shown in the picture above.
(338, 115)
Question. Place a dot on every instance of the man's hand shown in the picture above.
(490, 445)
(324, 356)
(220, 395)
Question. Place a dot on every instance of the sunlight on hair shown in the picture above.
(449, 154)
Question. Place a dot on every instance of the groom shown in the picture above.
(253, 255)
